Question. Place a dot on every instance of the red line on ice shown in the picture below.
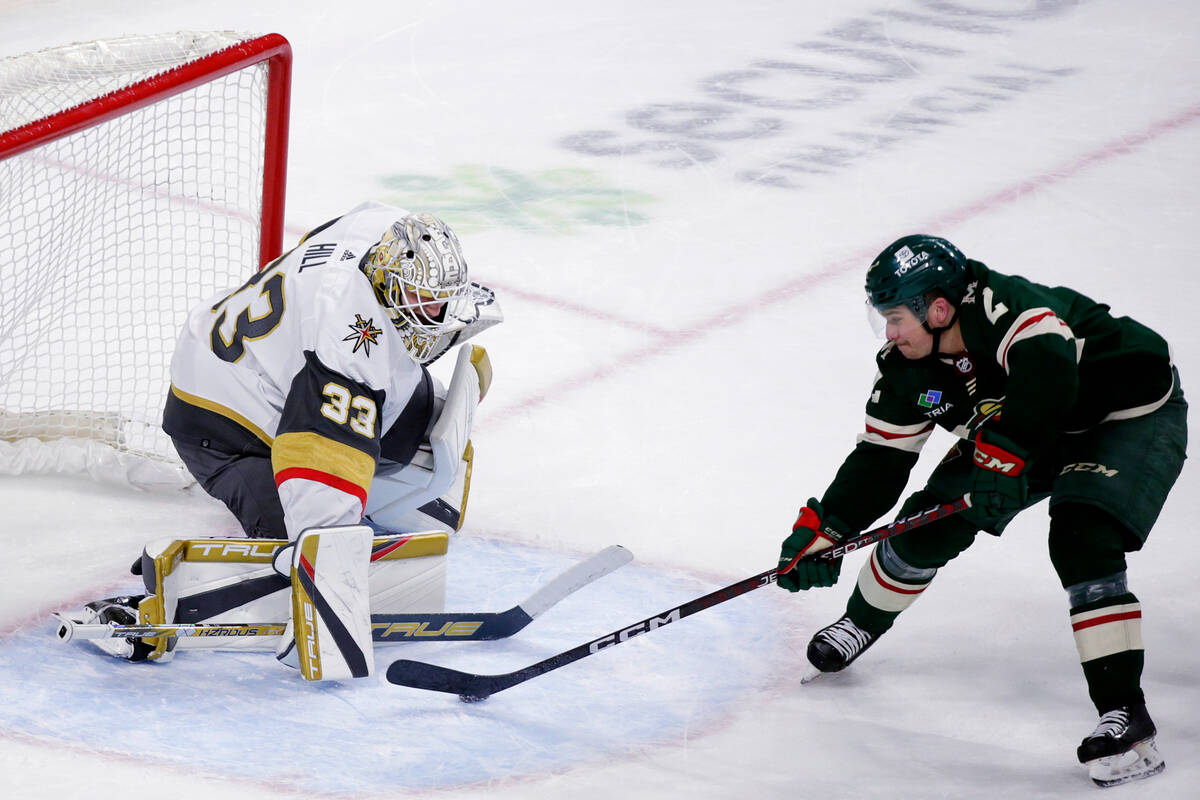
(669, 340)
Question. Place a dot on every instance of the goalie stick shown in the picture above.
(456, 626)
(472, 687)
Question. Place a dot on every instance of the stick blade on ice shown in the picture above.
(420, 675)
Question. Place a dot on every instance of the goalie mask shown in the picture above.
(420, 278)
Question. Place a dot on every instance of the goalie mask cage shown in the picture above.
(139, 177)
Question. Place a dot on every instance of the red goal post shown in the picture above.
(141, 176)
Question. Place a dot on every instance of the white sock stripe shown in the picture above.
(888, 582)
(884, 592)
(1107, 631)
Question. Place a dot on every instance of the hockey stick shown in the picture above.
(462, 626)
(471, 687)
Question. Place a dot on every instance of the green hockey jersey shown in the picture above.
(1040, 362)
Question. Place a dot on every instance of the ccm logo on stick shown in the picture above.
(634, 630)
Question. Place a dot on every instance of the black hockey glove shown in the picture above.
(809, 536)
(998, 484)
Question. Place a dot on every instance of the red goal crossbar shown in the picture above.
(272, 48)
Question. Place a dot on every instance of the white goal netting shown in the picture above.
(110, 234)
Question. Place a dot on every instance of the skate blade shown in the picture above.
(811, 674)
(1143, 761)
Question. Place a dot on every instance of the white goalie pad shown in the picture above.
(432, 490)
(331, 614)
(233, 581)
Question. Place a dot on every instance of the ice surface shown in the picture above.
(367, 736)
(676, 202)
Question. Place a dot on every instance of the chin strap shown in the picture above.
(937, 334)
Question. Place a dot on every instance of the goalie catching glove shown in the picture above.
(810, 535)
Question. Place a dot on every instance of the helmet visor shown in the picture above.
(875, 319)
(897, 317)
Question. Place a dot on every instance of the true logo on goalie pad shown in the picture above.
(226, 551)
(312, 667)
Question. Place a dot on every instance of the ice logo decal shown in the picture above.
(930, 399)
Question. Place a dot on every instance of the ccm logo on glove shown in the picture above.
(989, 456)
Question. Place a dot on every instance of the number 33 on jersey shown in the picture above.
(302, 358)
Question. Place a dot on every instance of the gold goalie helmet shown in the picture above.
(420, 277)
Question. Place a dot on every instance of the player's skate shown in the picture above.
(122, 611)
(1121, 749)
(835, 647)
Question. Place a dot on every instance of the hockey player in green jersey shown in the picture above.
(1050, 396)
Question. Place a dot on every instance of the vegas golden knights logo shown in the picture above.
(363, 334)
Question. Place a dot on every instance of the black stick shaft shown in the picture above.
(422, 675)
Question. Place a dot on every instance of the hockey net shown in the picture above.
(139, 177)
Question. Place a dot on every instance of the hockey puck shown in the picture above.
(472, 698)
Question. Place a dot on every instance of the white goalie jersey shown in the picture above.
(303, 361)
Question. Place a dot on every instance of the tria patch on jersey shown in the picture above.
(929, 399)
(364, 334)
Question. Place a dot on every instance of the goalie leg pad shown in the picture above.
(331, 615)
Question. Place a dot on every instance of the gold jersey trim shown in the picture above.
(307, 450)
(224, 411)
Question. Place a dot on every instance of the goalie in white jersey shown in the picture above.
(302, 398)
(302, 401)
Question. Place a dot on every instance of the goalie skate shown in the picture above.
(1121, 749)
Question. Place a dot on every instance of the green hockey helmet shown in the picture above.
(912, 267)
